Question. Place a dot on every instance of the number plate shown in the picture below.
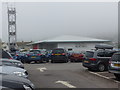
(57, 54)
(118, 65)
(86, 61)
(33, 57)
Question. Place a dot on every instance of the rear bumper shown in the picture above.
(91, 66)
(34, 59)
(113, 70)
(59, 58)
(76, 59)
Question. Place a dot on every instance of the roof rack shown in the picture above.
(103, 46)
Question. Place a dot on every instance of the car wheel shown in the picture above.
(67, 61)
(117, 76)
(28, 62)
(101, 67)
(71, 60)
(41, 61)
(47, 61)
(52, 61)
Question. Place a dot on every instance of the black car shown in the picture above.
(114, 65)
(59, 55)
(13, 82)
(97, 59)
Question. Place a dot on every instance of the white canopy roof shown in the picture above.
(70, 38)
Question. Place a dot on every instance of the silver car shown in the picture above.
(11, 62)
(13, 71)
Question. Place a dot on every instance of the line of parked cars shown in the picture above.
(55, 55)
(102, 59)
(12, 73)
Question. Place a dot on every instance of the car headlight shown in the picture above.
(21, 74)
(27, 87)
(18, 64)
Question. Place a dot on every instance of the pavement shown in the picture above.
(68, 75)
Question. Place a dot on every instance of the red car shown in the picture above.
(76, 57)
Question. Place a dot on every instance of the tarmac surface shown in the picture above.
(68, 75)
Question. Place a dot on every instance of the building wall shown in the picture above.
(77, 46)
(48, 46)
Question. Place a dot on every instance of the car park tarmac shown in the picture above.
(68, 75)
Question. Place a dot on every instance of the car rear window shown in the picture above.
(89, 54)
(58, 51)
(116, 57)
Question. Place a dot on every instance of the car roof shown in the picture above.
(11, 60)
(103, 46)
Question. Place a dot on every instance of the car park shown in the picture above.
(13, 71)
(98, 59)
(59, 55)
(12, 82)
(114, 65)
(76, 57)
(11, 62)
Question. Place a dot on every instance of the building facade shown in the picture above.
(70, 43)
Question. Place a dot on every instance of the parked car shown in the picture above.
(114, 65)
(21, 56)
(11, 62)
(12, 82)
(59, 55)
(13, 71)
(76, 57)
(6, 55)
(34, 55)
(48, 55)
(97, 59)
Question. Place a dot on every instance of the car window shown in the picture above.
(109, 54)
(5, 55)
(58, 51)
(89, 54)
(116, 57)
(101, 54)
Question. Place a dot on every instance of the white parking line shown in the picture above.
(109, 78)
(99, 75)
(66, 84)
(42, 69)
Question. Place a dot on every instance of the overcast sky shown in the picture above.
(38, 20)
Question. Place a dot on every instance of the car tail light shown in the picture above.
(92, 59)
(53, 54)
(10, 58)
(39, 54)
(16, 54)
(63, 54)
(28, 54)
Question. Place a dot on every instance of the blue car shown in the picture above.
(34, 55)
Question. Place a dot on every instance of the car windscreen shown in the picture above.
(58, 51)
(5, 55)
(35, 51)
(89, 54)
(116, 57)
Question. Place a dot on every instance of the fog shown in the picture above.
(37, 21)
